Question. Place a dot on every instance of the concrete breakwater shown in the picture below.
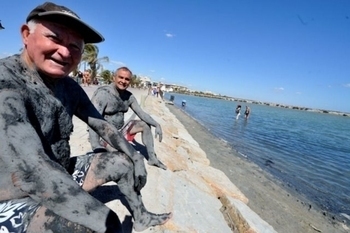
(201, 198)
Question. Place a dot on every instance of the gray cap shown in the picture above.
(62, 15)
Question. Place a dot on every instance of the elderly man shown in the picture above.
(113, 101)
(40, 190)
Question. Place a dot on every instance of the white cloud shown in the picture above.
(169, 35)
(298, 93)
(119, 63)
(279, 89)
(346, 85)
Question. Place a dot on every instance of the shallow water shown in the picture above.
(309, 152)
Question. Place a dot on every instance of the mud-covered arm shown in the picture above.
(145, 117)
(22, 156)
(87, 112)
(100, 106)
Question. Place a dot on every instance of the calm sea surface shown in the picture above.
(310, 152)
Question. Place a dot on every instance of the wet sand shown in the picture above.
(281, 207)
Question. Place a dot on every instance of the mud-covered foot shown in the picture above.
(157, 163)
(150, 219)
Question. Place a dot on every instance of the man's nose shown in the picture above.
(64, 51)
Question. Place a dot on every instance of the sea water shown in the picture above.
(307, 151)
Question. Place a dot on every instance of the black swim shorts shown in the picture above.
(15, 215)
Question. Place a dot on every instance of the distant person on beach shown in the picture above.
(150, 90)
(43, 188)
(238, 111)
(112, 102)
(246, 112)
(155, 91)
(161, 91)
(86, 78)
(79, 77)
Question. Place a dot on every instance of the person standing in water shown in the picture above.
(246, 112)
(238, 111)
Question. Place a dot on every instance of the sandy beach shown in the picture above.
(282, 208)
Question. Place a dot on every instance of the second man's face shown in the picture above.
(122, 79)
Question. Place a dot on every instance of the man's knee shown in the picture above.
(105, 167)
(122, 160)
(140, 126)
(144, 125)
(112, 164)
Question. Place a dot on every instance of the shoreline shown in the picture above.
(288, 106)
(285, 209)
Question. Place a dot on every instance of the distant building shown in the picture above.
(145, 81)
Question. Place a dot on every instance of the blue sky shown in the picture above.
(281, 51)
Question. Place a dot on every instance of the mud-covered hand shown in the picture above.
(158, 132)
(140, 173)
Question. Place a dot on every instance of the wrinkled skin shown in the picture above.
(38, 102)
(112, 104)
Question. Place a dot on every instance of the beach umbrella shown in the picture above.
(1, 27)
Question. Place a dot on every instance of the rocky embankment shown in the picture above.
(198, 193)
(201, 198)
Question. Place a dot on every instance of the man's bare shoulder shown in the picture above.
(12, 73)
(9, 60)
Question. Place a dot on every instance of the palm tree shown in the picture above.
(107, 76)
(90, 56)
(135, 81)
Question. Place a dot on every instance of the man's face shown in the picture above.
(54, 49)
(122, 79)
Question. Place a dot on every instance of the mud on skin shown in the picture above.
(112, 104)
(38, 157)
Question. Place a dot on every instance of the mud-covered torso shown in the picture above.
(48, 106)
(115, 104)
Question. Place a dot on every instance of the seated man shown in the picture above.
(113, 101)
(38, 101)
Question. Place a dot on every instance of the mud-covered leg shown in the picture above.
(45, 221)
(147, 140)
(142, 218)
(105, 167)
(116, 166)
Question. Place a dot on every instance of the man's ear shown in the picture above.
(25, 33)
